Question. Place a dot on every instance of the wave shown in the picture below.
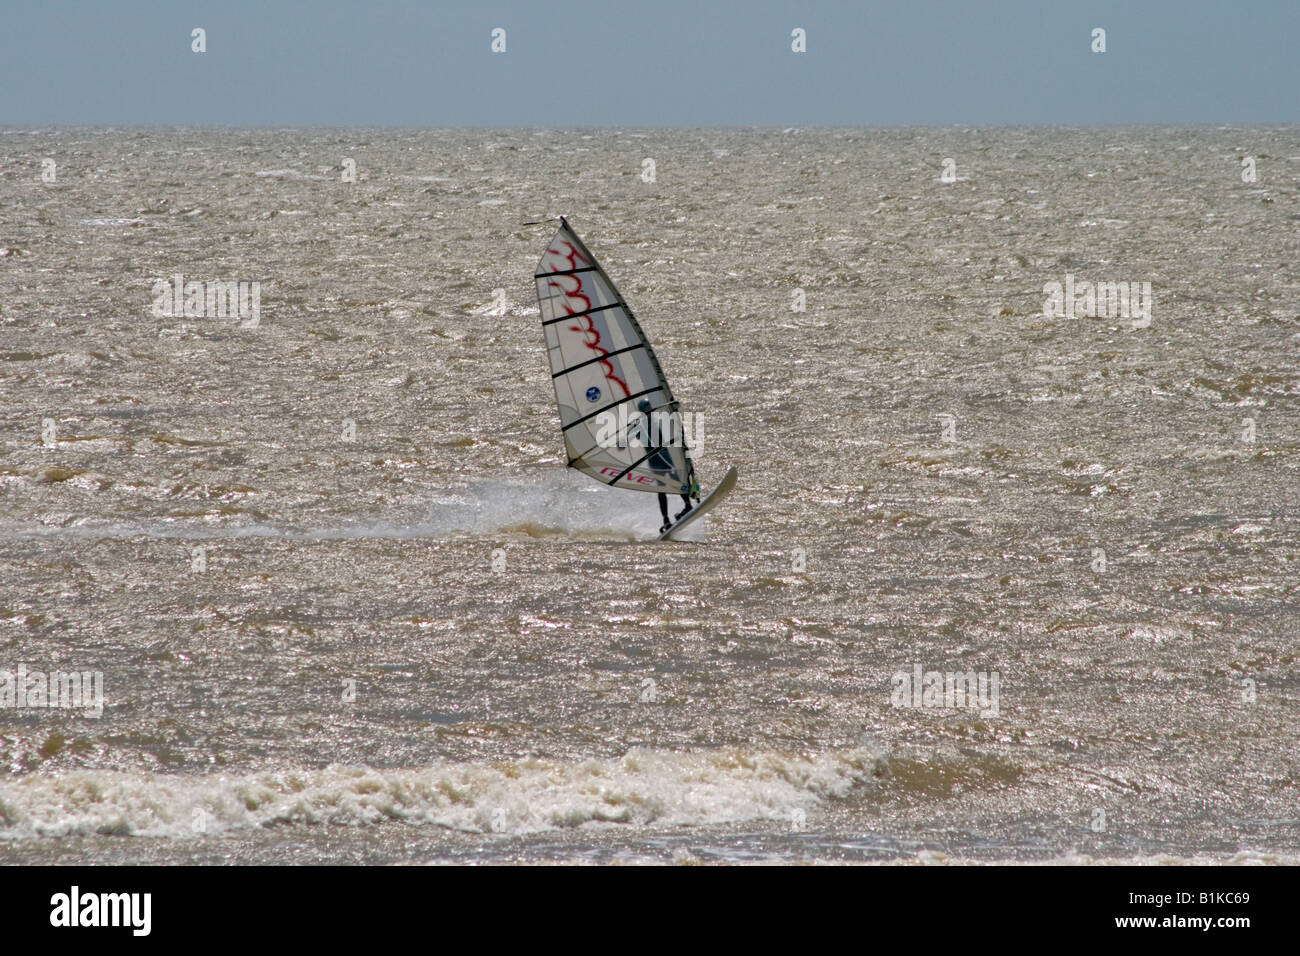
(642, 788)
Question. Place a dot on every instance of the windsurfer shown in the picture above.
(660, 462)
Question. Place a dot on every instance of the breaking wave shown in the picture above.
(643, 787)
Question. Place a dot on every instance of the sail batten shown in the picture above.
(610, 390)
(578, 315)
(639, 461)
(563, 272)
(598, 358)
(590, 415)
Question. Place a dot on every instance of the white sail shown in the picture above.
(620, 422)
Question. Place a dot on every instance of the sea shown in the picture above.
(298, 574)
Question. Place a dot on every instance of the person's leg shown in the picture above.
(686, 500)
(663, 510)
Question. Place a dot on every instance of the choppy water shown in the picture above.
(533, 678)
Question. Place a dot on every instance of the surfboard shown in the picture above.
(714, 499)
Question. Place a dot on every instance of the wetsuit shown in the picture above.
(661, 463)
(663, 509)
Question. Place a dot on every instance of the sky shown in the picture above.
(430, 63)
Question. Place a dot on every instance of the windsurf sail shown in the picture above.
(620, 422)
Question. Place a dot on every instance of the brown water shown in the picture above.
(533, 677)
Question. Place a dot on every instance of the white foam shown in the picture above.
(553, 502)
(642, 788)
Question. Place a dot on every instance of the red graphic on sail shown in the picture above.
(591, 337)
